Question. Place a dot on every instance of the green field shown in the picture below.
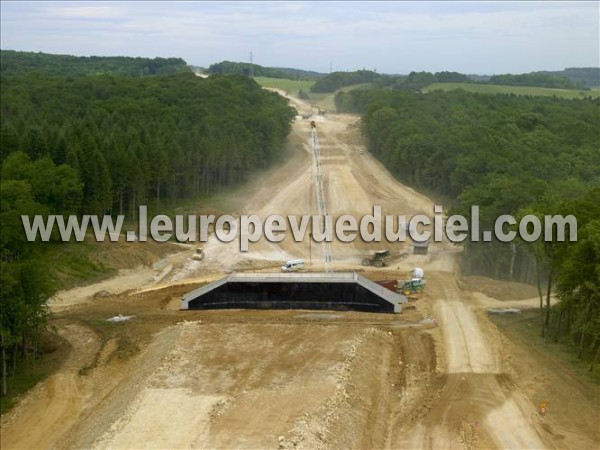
(325, 100)
(290, 86)
(518, 90)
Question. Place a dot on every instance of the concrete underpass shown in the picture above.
(330, 291)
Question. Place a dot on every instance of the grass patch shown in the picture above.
(71, 264)
(525, 328)
(321, 100)
(326, 100)
(290, 86)
(517, 90)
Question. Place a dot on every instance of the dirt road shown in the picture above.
(290, 379)
(473, 359)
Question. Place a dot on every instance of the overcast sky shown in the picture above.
(468, 37)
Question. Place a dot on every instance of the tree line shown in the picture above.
(107, 144)
(255, 70)
(18, 63)
(510, 155)
(540, 79)
(337, 80)
(416, 81)
(581, 76)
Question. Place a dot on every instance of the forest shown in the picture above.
(16, 63)
(535, 79)
(105, 144)
(574, 78)
(414, 81)
(129, 141)
(580, 76)
(247, 69)
(337, 80)
(512, 155)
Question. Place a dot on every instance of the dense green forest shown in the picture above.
(106, 144)
(415, 81)
(509, 155)
(580, 76)
(247, 69)
(535, 79)
(15, 63)
(337, 80)
(134, 140)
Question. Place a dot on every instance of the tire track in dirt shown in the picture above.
(478, 405)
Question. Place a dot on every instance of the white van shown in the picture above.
(293, 265)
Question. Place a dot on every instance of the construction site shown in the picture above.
(222, 349)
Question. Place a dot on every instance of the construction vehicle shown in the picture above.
(416, 284)
(378, 259)
(199, 255)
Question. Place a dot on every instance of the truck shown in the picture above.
(378, 259)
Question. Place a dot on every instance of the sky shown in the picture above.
(390, 37)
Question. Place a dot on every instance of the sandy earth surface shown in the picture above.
(440, 375)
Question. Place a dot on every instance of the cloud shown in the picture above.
(84, 12)
(393, 36)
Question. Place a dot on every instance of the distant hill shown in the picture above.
(15, 63)
(337, 80)
(299, 73)
(570, 78)
(537, 79)
(414, 81)
(240, 68)
(582, 76)
(478, 78)
(531, 91)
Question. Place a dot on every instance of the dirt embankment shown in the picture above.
(54, 405)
